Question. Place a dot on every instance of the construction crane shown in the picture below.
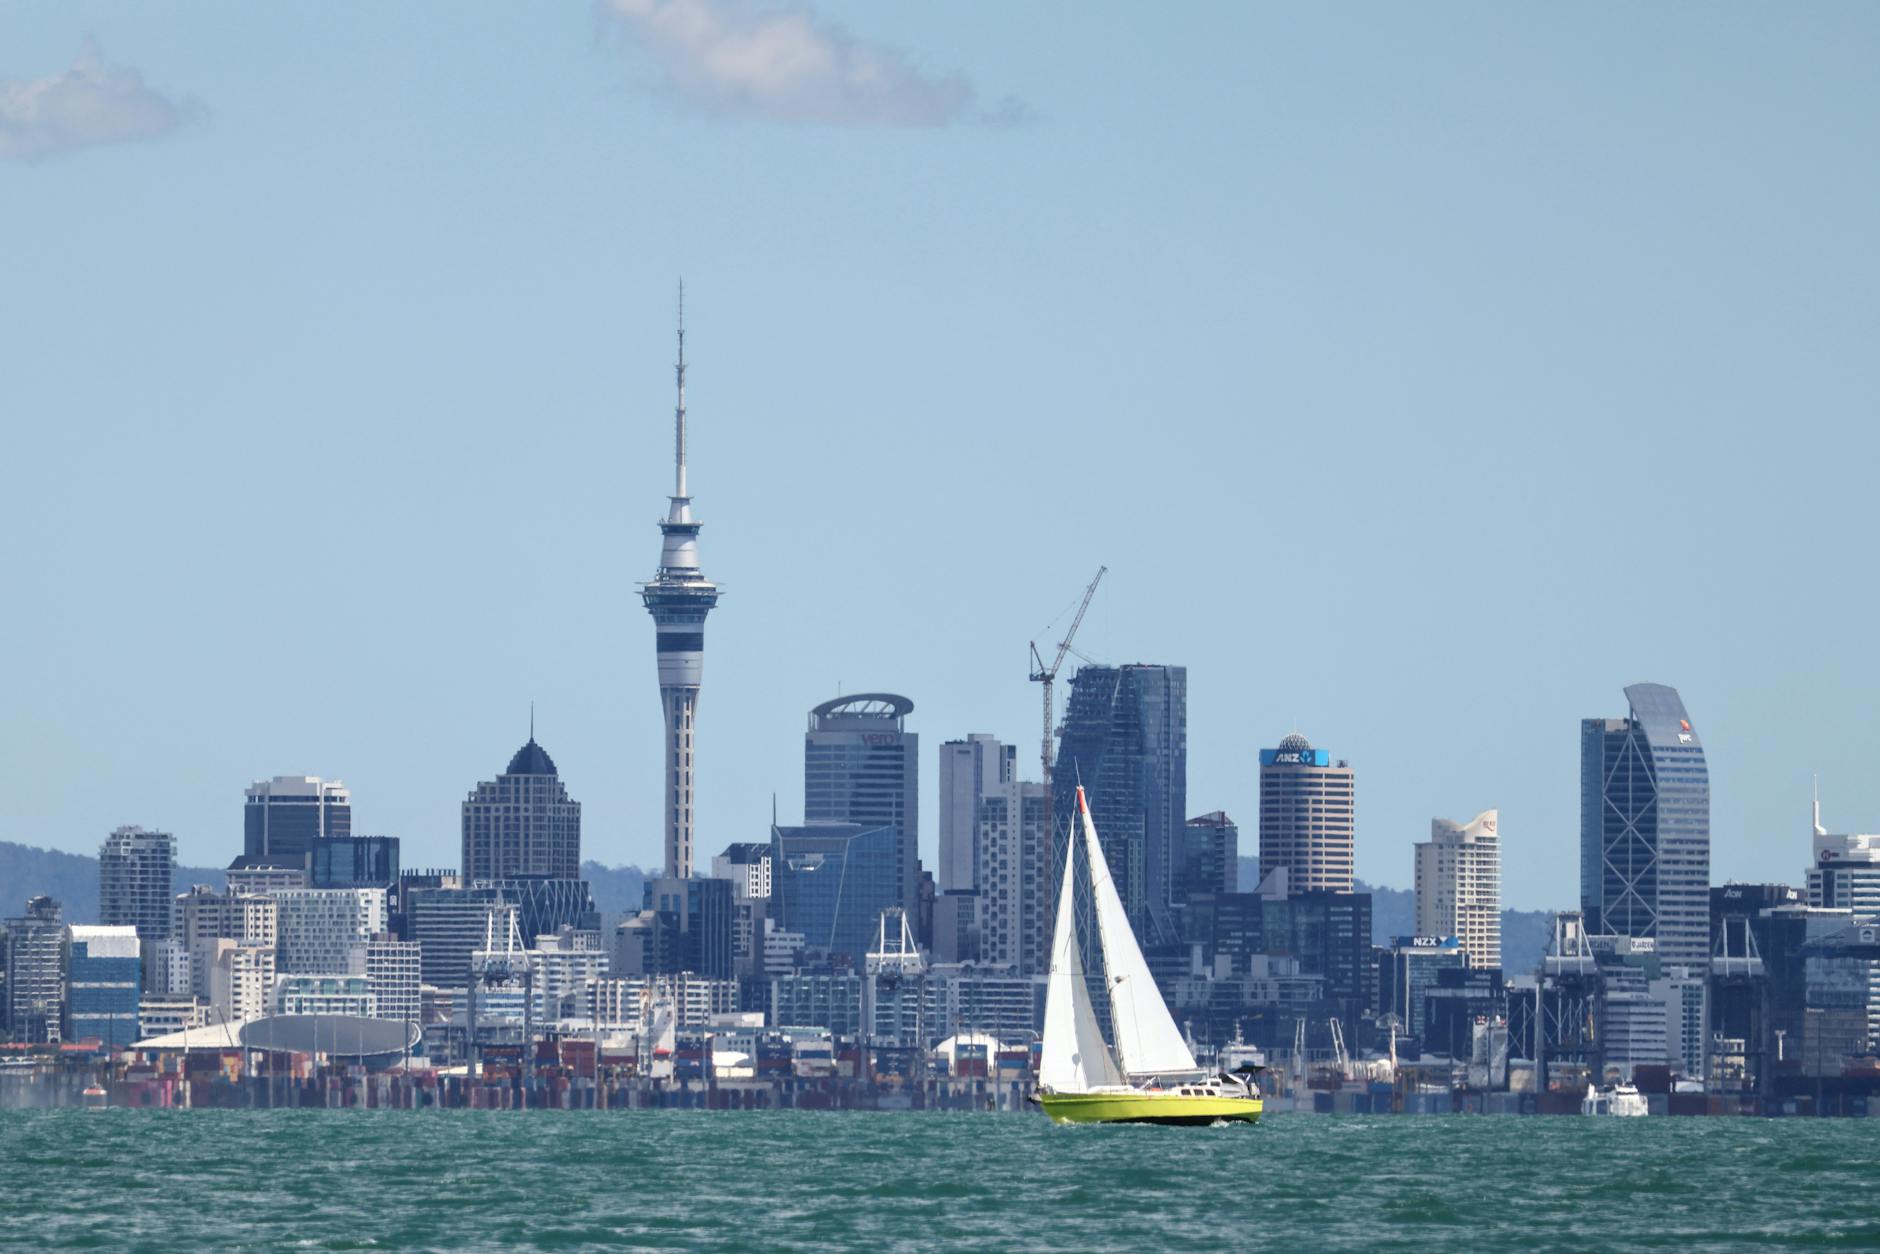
(1047, 675)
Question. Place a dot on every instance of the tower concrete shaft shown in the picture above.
(679, 597)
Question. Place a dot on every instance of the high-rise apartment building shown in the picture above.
(1645, 826)
(523, 822)
(1009, 851)
(1458, 886)
(134, 872)
(204, 917)
(319, 926)
(861, 765)
(35, 966)
(679, 597)
(286, 814)
(240, 980)
(1308, 817)
(1126, 741)
(393, 971)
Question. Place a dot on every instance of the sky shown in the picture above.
(1422, 374)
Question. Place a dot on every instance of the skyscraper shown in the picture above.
(1208, 860)
(286, 814)
(134, 871)
(1308, 817)
(1645, 826)
(1458, 886)
(831, 882)
(679, 597)
(1846, 871)
(523, 822)
(970, 769)
(861, 765)
(1126, 741)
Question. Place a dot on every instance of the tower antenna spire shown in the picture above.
(678, 490)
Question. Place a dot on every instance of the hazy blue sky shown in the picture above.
(1423, 373)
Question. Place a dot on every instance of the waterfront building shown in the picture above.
(1208, 860)
(1841, 1019)
(627, 1003)
(394, 972)
(240, 979)
(159, 1015)
(1125, 740)
(104, 983)
(861, 765)
(135, 867)
(1407, 972)
(352, 862)
(832, 881)
(1458, 886)
(1645, 826)
(323, 993)
(318, 927)
(564, 964)
(35, 966)
(679, 597)
(1308, 817)
(285, 815)
(830, 1000)
(523, 822)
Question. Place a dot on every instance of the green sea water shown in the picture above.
(460, 1180)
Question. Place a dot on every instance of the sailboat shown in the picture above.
(1150, 1076)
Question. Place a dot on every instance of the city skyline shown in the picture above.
(1550, 373)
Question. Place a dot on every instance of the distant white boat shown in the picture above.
(1621, 1100)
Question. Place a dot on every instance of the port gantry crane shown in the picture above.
(1047, 675)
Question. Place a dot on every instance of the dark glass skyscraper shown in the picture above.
(286, 814)
(1126, 741)
(832, 881)
(523, 822)
(861, 765)
(1645, 826)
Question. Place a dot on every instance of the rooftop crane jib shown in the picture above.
(1045, 675)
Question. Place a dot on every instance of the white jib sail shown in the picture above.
(1074, 1058)
(1146, 1035)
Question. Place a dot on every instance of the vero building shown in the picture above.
(1645, 827)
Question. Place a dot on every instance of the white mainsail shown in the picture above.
(1146, 1036)
(1074, 1058)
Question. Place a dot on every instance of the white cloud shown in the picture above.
(782, 64)
(89, 104)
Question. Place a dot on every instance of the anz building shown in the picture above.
(1645, 826)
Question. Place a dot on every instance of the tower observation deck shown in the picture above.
(678, 597)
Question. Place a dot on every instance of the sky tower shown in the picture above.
(678, 597)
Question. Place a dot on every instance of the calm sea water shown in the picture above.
(176, 1180)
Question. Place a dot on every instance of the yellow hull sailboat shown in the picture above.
(1150, 1075)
